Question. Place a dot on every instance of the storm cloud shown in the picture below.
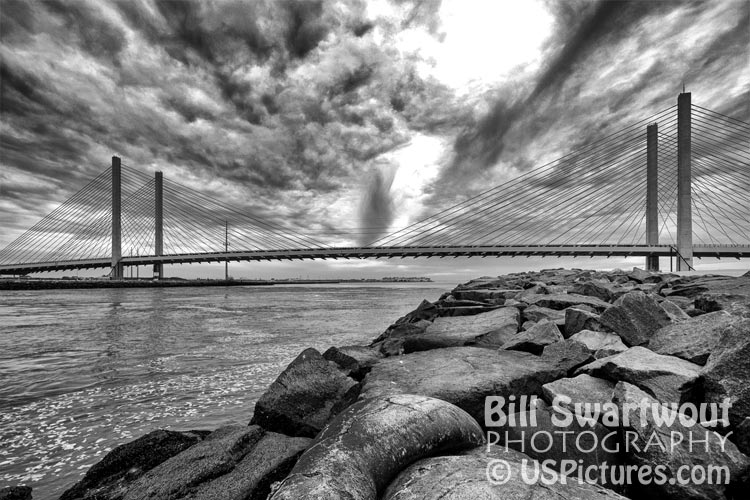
(283, 107)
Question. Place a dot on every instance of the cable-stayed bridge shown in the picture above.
(676, 183)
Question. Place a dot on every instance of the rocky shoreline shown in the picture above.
(426, 410)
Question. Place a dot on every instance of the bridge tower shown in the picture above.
(158, 223)
(684, 209)
(652, 193)
(117, 272)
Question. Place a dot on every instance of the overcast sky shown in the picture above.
(332, 116)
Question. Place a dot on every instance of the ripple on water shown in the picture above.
(87, 370)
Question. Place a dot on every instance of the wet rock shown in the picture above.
(667, 378)
(675, 450)
(362, 449)
(564, 300)
(535, 338)
(270, 460)
(488, 329)
(15, 493)
(302, 399)
(727, 371)
(600, 344)
(574, 393)
(464, 376)
(635, 317)
(464, 477)
(215, 456)
(693, 339)
(354, 361)
(110, 477)
(577, 319)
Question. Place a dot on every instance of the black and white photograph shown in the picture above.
(374, 249)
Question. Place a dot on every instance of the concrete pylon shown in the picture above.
(117, 273)
(684, 201)
(652, 194)
(158, 223)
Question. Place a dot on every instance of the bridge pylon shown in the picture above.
(652, 193)
(158, 223)
(117, 268)
(684, 199)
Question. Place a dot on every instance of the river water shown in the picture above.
(82, 371)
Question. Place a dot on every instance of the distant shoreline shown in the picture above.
(52, 284)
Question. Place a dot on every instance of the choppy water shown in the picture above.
(82, 371)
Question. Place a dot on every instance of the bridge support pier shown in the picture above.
(158, 223)
(117, 270)
(684, 201)
(652, 194)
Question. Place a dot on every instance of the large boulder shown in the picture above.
(741, 436)
(578, 318)
(464, 376)
(270, 460)
(576, 437)
(600, 344)
(579, 394)
(483, 283)
(354, 361)
(490, 329)
(693, 339)
(727, 371)
(714, 293)
(538, 314)
(15, 493)
(487, 295)
(304, 397)
(180, 475)
(635, 317)
(463, 308)
(477, 477)
(601, 289)
(362, 449)
(675, 312)
(560, 301)
(566, 355)
(110, 477)
(638, 275)
(535, 338)
(675, 447)
(667, 378)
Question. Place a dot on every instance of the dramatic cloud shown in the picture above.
(286, 108)
(377, 208)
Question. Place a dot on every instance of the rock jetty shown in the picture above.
(448, 402)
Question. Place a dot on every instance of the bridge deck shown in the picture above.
(728, 251)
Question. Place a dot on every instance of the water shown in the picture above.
(82, 371)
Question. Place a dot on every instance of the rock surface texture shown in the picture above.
(359, 452)
(424, 411)
(304, 397)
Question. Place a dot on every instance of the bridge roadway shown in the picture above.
(720, 251)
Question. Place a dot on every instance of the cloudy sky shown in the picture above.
(343, 119)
